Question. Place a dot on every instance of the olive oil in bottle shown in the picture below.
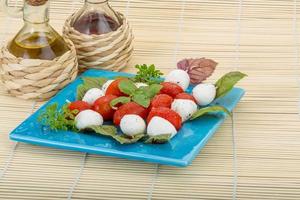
(38, 46)
(37, 39)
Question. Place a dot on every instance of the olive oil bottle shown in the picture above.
(37, 39)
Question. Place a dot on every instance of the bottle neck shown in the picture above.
(36, 14)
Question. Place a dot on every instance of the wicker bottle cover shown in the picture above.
(98, 46)
(31, 74)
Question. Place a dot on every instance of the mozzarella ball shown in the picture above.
(184, 107)
(204, 93)
(138, 85)
(159, 126)
(106, 85)
(179, 77)
(132, 125)
(92, 95)
(88, 118)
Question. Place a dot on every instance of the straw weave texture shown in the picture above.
(110, 51)
(37, 79)
(258, 37)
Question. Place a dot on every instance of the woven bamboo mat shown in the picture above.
(258, 37)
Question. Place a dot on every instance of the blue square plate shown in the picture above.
(180, 151)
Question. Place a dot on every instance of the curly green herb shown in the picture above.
(58, 119)
(147, 74)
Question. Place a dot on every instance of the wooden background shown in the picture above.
(258, 37)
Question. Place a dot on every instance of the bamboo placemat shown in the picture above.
(258, 37)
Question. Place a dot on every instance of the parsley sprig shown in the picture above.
(58, 119)
(147, 74)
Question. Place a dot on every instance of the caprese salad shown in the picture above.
(144, 107)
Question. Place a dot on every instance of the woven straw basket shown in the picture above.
(110, 51)
(34, 78)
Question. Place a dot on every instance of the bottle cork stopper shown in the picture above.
(36, 2)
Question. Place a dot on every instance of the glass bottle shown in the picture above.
(96, 17)
(37, 39)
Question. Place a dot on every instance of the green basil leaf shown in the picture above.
(81, 90)
(141, 99)
(121, 100)
(111, 131)
(124, 139)
(152, 90)
(226, 82)
(88, 83)
(127, 87)
(206, 110)
(158, 139)
(106, 130)
(94, 81)
(140, 90)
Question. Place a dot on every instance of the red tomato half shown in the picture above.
(166, 113)
(79, 105)
(171, 89)
(113, 88)
(129, 108)
(102, 106)
(161, 100)
(185, 96)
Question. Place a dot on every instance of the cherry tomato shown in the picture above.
(185, 96)
(166, 113)
(129, 108)
(113, 88)
(171, 89)
(79, 105)
(161, 100)
(102, 106)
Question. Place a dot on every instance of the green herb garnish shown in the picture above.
(111, 131)
(159, 139)
(58, 119)
(88, 83)
(203, 111)
(151, 90)
(147, 74)
(127, 87)
(141, 96)
(124, 139)
(106, 130)
(118, 100)
(226, 82)
(141, 99)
